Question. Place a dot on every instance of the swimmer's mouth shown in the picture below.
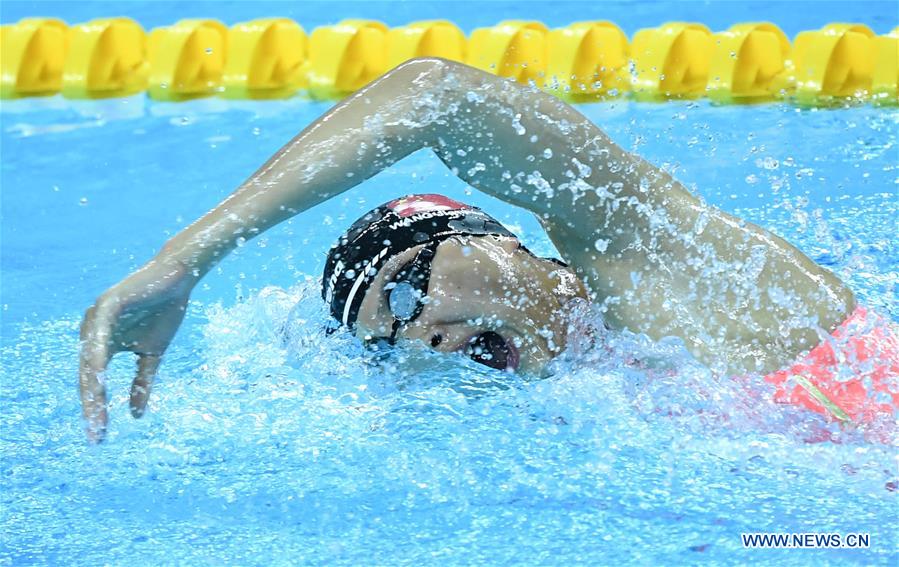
(514, 357)
(492, 349)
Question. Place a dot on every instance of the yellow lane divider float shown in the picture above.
(835, 61)
(515, 49)
(588, 61)
(273, 58)
(265, 59)
(107, 58)
(349, 55)
(671, 61)
(747, 63)
(346, 57)
(32, 57)
(187, 59)
(434, 38)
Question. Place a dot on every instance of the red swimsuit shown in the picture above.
(853, 376)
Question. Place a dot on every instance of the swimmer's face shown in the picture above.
(487, 298)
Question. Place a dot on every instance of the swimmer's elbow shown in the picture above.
(434, 72)
(422, 73)
(430, 64)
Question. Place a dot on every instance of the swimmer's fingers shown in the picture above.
(94, 357)
(147, 366)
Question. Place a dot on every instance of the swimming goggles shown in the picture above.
(407, 296)
(407, 291)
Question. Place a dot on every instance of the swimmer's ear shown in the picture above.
(147, 366)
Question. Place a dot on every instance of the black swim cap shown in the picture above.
(394, 227)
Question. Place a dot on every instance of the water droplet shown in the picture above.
(516, 124)
(83, 201)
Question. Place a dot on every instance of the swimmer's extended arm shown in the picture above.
(660, 260)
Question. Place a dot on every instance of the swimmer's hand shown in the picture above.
(140, 314)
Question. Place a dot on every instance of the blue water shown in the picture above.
(268, 443)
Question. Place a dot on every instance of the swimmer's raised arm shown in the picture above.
(661, 261)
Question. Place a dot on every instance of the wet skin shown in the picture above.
(482, 284)
(654, 257)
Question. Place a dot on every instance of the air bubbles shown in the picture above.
(516, 125)
(82, 201)
(768, 163)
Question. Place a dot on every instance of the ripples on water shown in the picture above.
(268, 441)
(268, 438)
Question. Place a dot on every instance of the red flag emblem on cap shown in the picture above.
(414, 204)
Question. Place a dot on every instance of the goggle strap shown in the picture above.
(419, 271)
(391, 340)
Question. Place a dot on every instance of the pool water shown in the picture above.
(268, 442)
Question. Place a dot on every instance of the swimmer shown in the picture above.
(655, 258)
